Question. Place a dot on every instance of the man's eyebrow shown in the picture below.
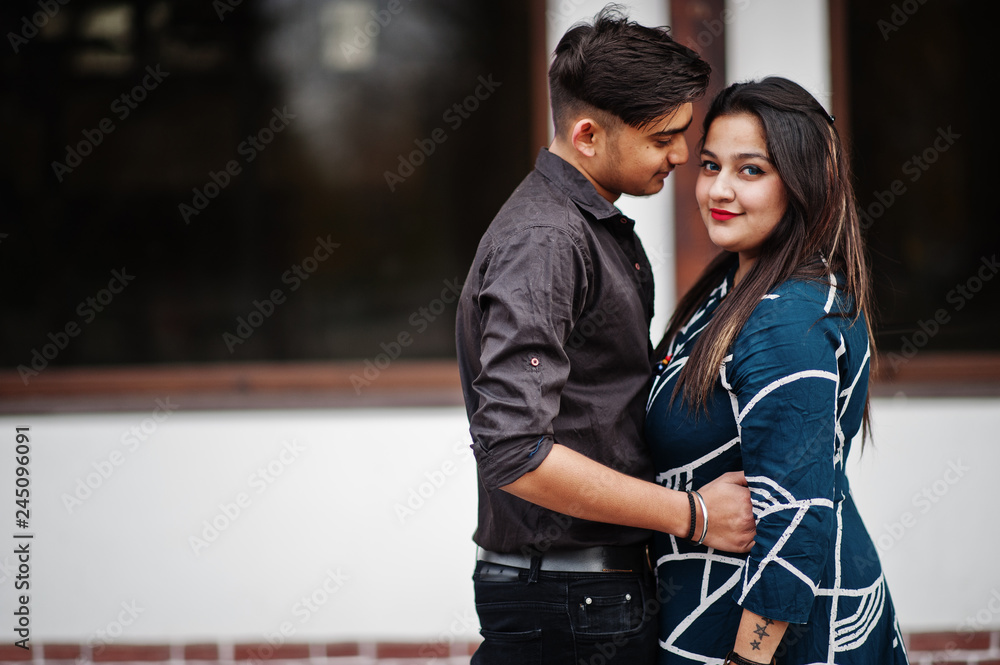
(677, 130)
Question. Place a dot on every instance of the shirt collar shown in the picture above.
(569, 179)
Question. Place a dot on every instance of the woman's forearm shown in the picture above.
(758, 637)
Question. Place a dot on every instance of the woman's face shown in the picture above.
(740, 195)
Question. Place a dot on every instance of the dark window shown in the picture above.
(250, 180)
(924, 144)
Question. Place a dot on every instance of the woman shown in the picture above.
(765, 368)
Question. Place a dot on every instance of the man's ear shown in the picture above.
(587, 136)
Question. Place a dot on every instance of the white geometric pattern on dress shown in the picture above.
(855, 612)
(706, 600)
(847, 633)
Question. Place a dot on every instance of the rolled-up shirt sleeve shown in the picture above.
(534, 288)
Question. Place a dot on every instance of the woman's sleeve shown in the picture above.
(783, 380)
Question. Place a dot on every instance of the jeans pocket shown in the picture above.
(509, 648)
(601, 609)
(603, 614)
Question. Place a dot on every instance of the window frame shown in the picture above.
(926, 374)
(264, 385)
(435, 383)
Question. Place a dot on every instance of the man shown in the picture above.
(554, 356)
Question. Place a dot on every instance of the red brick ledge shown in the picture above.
(954, 648)
(360, 653)
(925, 648)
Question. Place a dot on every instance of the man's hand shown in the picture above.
(731, 524)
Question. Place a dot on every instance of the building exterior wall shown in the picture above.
(357, 524)
(175, 526)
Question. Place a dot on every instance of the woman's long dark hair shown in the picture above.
(820, 224)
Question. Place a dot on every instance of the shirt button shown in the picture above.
(534, 362)
(637, 267)
(623, 220)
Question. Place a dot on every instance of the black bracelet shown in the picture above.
(690, 535)
(734, 658)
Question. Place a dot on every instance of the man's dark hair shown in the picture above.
(634, 73)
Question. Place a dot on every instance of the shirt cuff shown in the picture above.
(506, 461)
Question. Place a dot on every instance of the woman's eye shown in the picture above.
(709, 166)
(753, 170)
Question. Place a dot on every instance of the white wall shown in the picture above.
(789, 38)
(926, 490)
(369, 513)
(334, 524)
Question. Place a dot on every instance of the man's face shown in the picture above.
(637, 161)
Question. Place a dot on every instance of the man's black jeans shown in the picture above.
(560, 618)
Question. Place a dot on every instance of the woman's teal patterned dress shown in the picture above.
(786, 409)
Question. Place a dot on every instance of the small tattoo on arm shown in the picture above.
(761, 631)
(756, 645)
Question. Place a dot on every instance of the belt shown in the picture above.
(603, 559)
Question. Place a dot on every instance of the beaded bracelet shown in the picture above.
(733, 658)
(690, 535)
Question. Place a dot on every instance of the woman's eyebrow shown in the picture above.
(752, 155)
(740, 156)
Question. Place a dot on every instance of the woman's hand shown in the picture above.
(731, 524)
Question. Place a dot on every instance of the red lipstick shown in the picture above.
(721, 215)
